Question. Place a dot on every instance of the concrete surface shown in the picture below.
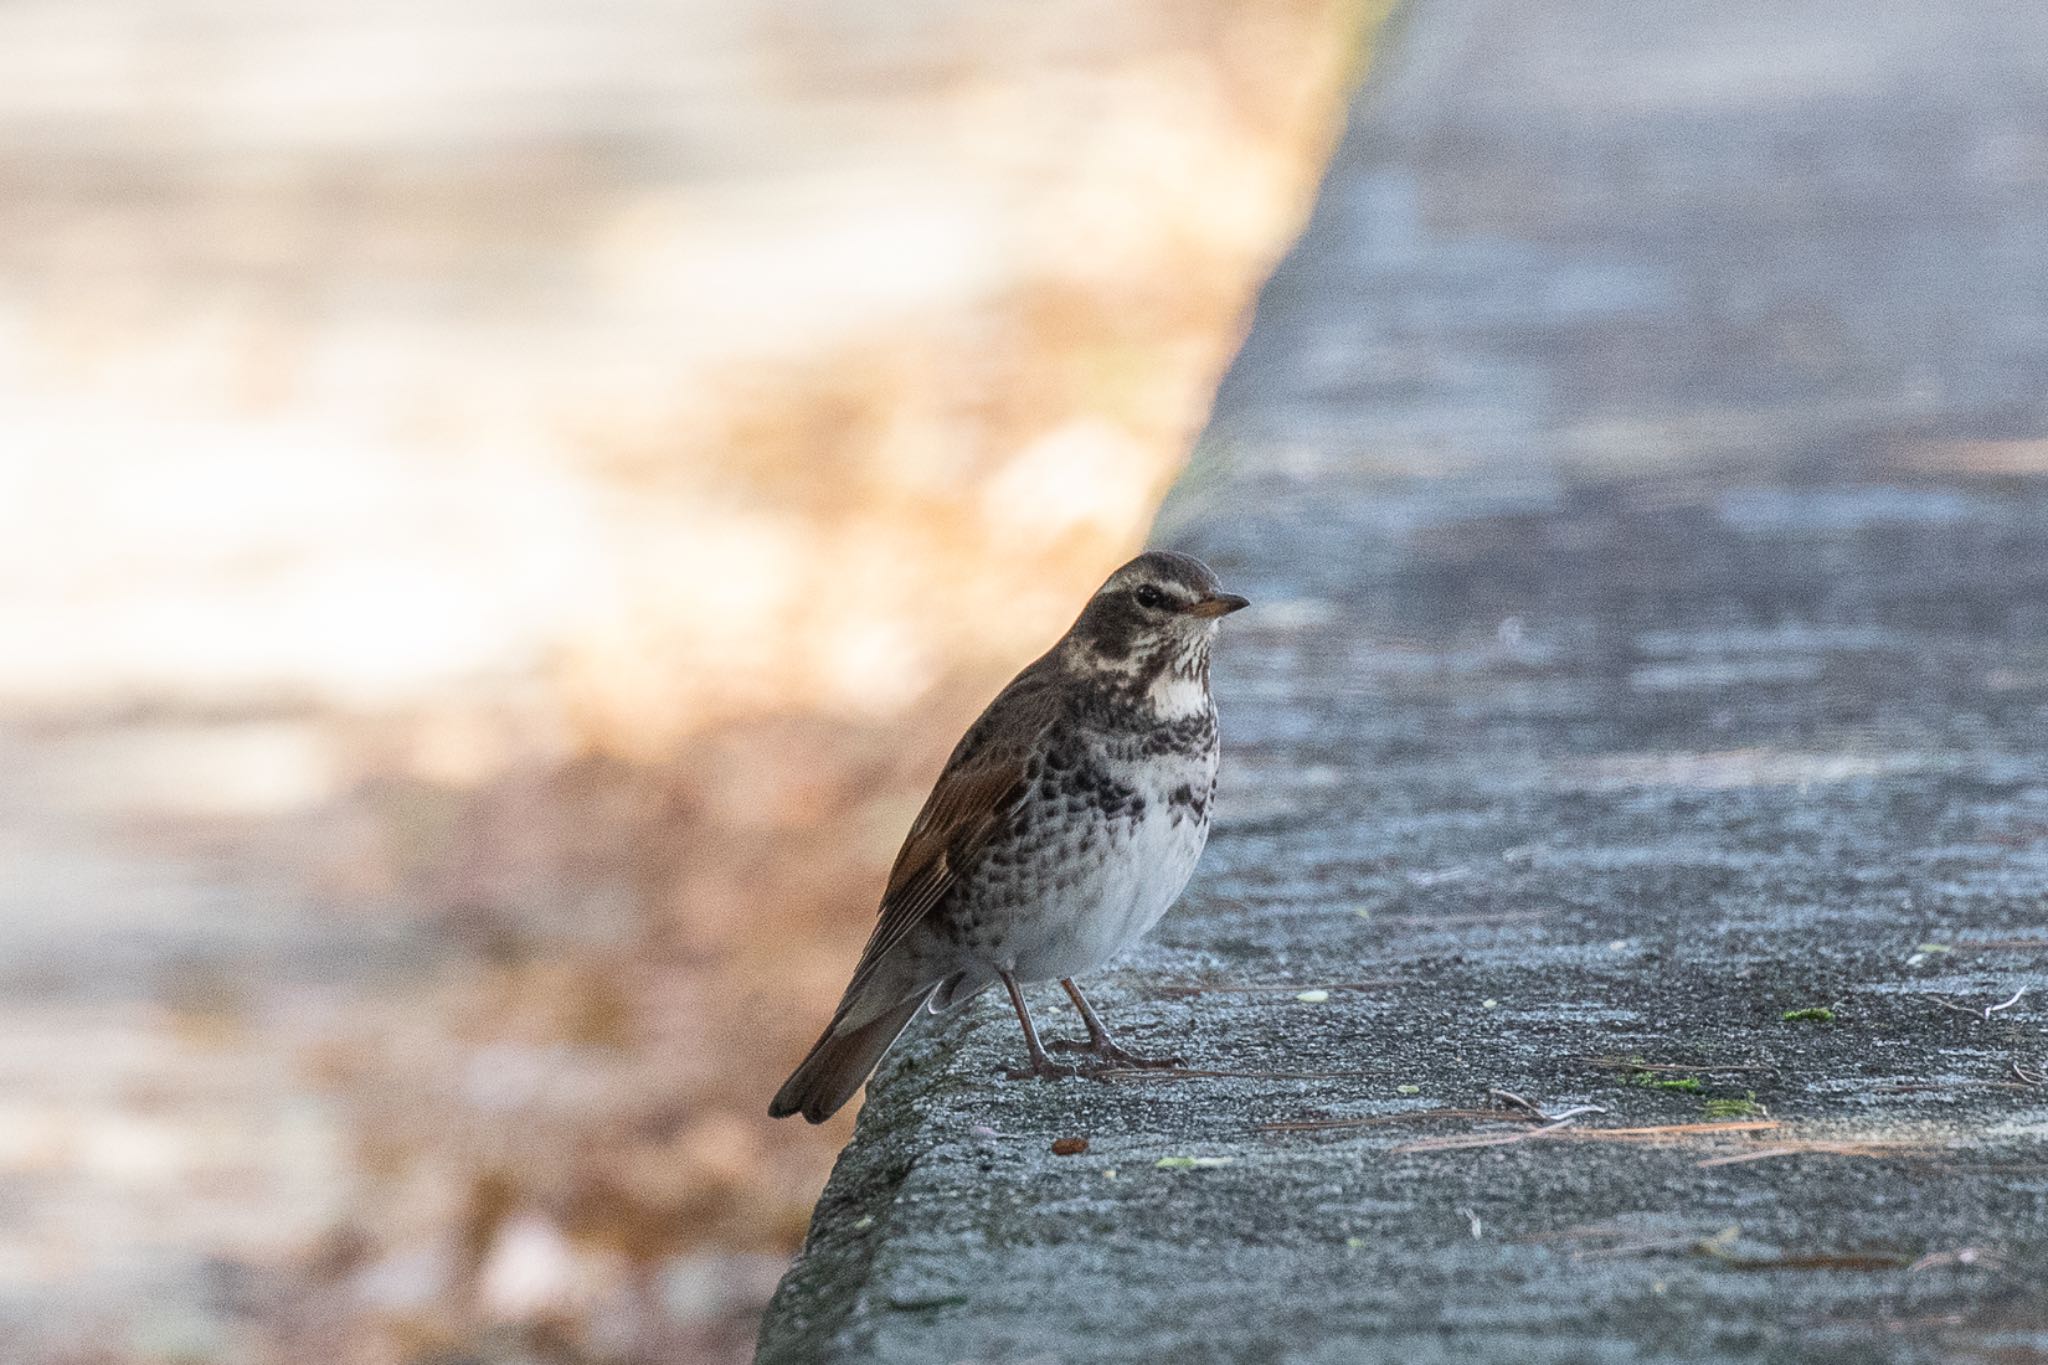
(1640, 470)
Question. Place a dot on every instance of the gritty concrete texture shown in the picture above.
(1640, 470)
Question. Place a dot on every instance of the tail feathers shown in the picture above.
(840, 1061)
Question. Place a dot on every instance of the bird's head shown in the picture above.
(1156, 615)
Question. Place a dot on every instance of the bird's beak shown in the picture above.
(1222, 604)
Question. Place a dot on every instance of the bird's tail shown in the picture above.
(840, 1061)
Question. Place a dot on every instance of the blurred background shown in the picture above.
(504, 506)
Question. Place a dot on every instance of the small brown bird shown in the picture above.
(1067, 821)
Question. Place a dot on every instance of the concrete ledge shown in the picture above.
(1638, 470)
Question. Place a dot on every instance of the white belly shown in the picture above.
(1151, 860)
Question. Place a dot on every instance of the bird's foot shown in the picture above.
(1042, 1069)
(1111, 1057)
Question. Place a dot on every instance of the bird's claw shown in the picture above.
(1114, 1058)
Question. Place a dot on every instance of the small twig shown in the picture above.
(1662, 1247)
(1472, 1219)
(1879, 1148)
(1759, 1154)
(1990, 1010)
(1684, 1129)
(1510, 1100)
(1513, 1106)
(1979, 1011)
(1464, 1140)
(1530, 1110)
(1647, 1134)
(1962, 1256)
(1563, 1129)
(2026, 1077)
(1577, 1110)
(1281, 988)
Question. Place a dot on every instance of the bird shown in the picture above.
(1067, 821)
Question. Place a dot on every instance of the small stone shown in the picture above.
(1069, 1146)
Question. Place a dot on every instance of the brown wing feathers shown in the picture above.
(980, 788)
(967, 807)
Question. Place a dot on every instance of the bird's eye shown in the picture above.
(1149, 596)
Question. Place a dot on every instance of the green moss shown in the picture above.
(1649, 1080)
(1819, 1014)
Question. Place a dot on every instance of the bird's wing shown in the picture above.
(984, 782)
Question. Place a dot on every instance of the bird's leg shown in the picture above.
(1042, 1067)
(1100, 1043)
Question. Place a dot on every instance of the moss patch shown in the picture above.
(1649, 1080)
